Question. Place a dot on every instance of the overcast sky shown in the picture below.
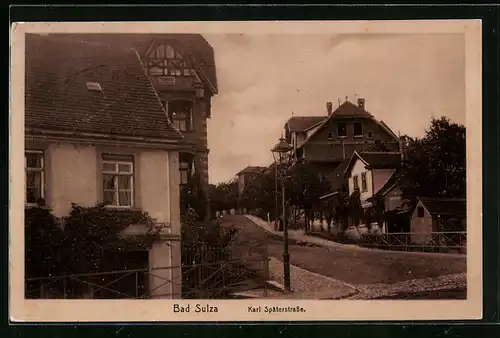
(405, 80)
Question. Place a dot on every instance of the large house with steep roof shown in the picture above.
(181, 68)
(328, 141)
(119, 119)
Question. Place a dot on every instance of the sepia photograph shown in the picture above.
(246, 171)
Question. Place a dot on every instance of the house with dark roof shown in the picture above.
(333, 137)
(246, 175)
(329, 140)
(96, 131)
(437, 215)
(369, 172)
(181, 69)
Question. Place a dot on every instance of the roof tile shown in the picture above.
(445, 206)
(301, 123)
(57, 98)
(196, 44)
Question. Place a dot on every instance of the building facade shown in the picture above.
(330, 140)
(96, 132)
(181, 68)
(368, 172)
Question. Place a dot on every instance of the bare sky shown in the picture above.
(405, 80)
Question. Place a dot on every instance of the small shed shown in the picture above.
(437, 215)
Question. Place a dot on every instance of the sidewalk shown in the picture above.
(301, 237)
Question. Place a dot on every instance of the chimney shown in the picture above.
(329, 108)
(361, 104)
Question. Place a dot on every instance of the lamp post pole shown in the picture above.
(282, 153)
(286, 253)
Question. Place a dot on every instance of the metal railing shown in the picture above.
(216, 280)
(413, 241)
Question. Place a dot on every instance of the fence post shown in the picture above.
(266, 275)
(136, 284)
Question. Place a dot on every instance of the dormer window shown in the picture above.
(164, 60)
(93, 86)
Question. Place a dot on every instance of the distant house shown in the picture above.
(437, 215)
(333, 137)
(326, 141)
(369, 172)
(248, 174)
(96, 132)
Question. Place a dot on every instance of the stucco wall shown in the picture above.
(71, 177)
(358, 169)
(393, 199)
(421, 227)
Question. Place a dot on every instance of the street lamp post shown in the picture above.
(282, 153)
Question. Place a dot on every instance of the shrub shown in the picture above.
(92, 232)
(44, 241)
(205, 252)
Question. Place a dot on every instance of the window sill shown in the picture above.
(358, 136)
(34, 205)
(121, 208)
(342, 137)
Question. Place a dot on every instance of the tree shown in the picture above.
(193, 197)
(435, 165)
(304, 186)
(224, 196)
(356, 212)
(341, 215)
(260, 194)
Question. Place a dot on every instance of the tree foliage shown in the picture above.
(193, 197)
(44, 241)
(93, 232)
(435, 165)
(260, 193)
(224, 196)
(305, 185)
(88, 234)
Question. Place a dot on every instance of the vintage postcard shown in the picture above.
(245, 171)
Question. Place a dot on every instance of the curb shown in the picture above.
(354, 246)
(354, 291)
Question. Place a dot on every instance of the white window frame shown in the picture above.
(117, 173)
(41, 170)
